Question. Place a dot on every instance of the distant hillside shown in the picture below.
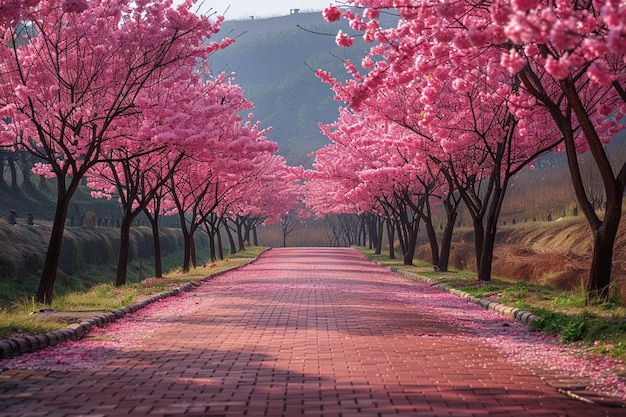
(275, 60)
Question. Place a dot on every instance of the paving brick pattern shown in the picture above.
(296, 334)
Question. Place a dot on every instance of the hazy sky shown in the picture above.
(243, 9)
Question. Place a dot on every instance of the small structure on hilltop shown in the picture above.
(294, 11)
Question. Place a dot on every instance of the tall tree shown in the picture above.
(160, 137)
(439, 77)
(78, 75)
(569, 59)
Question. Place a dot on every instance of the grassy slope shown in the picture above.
(106, 297)
(541, 267)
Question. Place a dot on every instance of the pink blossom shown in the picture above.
(564, 8)
(605, 110)
(524, 5)
(75, 6)
(372, 13)
(429, 95)
(596, 343)
(447, 10)
(592, 48)
(10, 10)
(513, 61)
(461, 85)
(43, 169)
(616, 41)
(358, 24)
(531, 50)
(349, 14)
(611, 17)
(332, 13)
(344, 40)
(477, 36)
(559, 69)
(500, 12)
(367, 62)
(562, 36)
(520, 30)
(609, 347)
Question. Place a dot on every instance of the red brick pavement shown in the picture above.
(297, 334)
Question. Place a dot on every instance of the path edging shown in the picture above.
(522, 316)
(16, 346)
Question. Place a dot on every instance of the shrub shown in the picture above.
(574, 330)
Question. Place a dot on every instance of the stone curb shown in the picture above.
(522, 316)
(16, 346)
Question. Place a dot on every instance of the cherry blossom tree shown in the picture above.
(189, 111)
(373, 174)
(218, 174)
(275, 193)
(161, 204)
(569, 59)
(66, 88)
(438, 75)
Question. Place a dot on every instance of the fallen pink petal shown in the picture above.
(313, 305)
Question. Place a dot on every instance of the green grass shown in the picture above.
(107, 297)
(598, 326)
(12, 323)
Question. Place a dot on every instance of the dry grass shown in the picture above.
(555, 253)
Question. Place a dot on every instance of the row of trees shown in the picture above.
(121, 97)
(458, 98)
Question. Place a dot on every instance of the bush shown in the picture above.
(574, 330)
(550, 322)
(568, 328)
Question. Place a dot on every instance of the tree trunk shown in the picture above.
(604, 231)
(486, 257)
(598, 286)
(187, 244)
(432, 239)
(156, 241)
(391, 238)
(26, 166)
(220, 247)
(412, 242)
(380, 224)
(193, 257)
(401, 236)
(240, 240)
(446, 243)
(212, 247)
(43, 185)
(51, 263)
(13, 171)
(3, 184)
(255, 237)
(479, 236)
(231, 240)
(123, 254)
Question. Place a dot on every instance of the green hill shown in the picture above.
(275, 61)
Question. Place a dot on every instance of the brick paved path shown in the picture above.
(299, 332)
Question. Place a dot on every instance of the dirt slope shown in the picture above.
(556, 253)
